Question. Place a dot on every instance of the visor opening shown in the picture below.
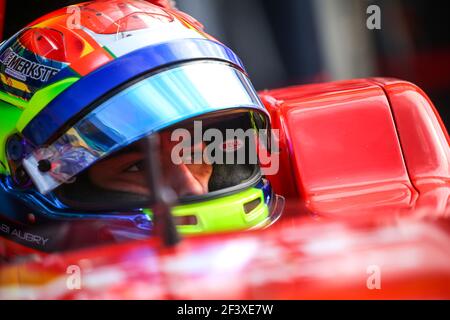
(251, 205)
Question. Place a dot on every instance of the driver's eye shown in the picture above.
(136, 167)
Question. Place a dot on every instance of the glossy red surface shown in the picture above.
(424, 141)
(51, 37)
(422, 134)
(365, 170)
(124, 18)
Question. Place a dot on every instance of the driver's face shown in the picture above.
(124, 172)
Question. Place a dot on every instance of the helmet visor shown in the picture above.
(150, 105)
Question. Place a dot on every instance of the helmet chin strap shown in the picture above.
(163, 197)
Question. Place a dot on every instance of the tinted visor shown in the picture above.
(146, 107)
(199, 159)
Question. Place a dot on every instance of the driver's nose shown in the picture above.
(182, 180)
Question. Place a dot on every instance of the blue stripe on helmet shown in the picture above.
(74, 100)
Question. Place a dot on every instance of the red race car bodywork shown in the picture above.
(365, 170)
(360, 144)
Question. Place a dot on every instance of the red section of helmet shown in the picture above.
(52, 44)
(162, 3)
(192, 21)
(91, 62)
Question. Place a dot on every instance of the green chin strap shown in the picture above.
(244, 210)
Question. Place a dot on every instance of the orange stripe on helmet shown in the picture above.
(92, 61)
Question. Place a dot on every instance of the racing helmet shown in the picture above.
(83, 87)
